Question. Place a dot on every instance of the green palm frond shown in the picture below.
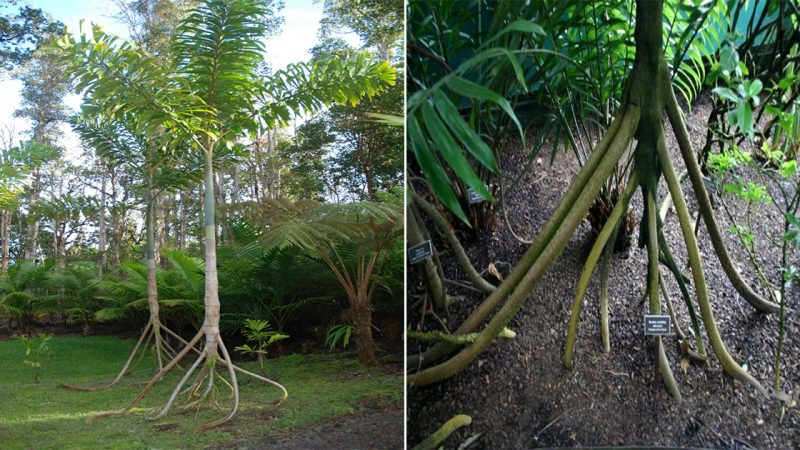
(310, 86)
(189, 269)
(123, 80)
(309, 225)
(218, 47)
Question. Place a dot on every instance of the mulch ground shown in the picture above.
(519, 394)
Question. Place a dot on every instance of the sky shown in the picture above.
(298, 36)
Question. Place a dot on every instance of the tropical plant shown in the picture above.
(260, 336)
(338, 334)
(274, 285)
(37, 351)
(76, 285)
(25, 297)
(352, 240)
(122, 141)
(210, 94)
(648, 93)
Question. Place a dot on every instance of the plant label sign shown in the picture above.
(656, 325)
(420, 252)
(473, 196)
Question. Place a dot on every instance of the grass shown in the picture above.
(46, 416)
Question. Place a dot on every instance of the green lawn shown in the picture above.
(47, 416)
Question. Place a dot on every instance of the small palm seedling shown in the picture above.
(37, 349)
(259, 334)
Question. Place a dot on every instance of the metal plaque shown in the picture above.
(420, 252)
(656, 325)
(474, 197)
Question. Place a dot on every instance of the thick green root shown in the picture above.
(696, 178)
(605, 269)
(456, 339)
(728, 363)
(591, 261)
(433, 441)
(552, 249)
(669, 261)
(510, 283)
(655, 304)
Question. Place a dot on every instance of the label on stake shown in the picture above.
(420, 252)
(656, 325)
(473, 196)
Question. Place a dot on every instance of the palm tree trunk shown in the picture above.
(101, 226)
(362, 329)
(5, 229)
(211, 298)
(152, 286)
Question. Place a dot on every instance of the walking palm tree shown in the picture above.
(211, 95)
(647, 94)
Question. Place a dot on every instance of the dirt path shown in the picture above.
(367, 430)
(520, 395)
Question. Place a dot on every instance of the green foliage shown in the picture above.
(378, 23)
(37, 351)
(315, 226)
(308, 87)
(260, 336)
(76, 283)
(41, 98)
(275, 285)
(16, 164)
(180, 290)
(792, 235)
(367, 154)
(740, 91)
(25, 297)
(338, 334)
(21, 33)
(305, 154)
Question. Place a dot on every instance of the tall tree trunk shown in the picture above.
(219, 194)
(160, 226)
(5, 230)
(33, 226)
(181, 229)
(116, 226)
(211, 298)
(60, 236)
(202, 197)
(236, 184)
(152, 287)
(361, 315)
(101, 225)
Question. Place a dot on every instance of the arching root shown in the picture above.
(655, 305)
(591, 261)
(551, 248)
(707, 212)
(726, 360)
(578, 185)
(439, 436)
(605, 270)
(205, 377)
